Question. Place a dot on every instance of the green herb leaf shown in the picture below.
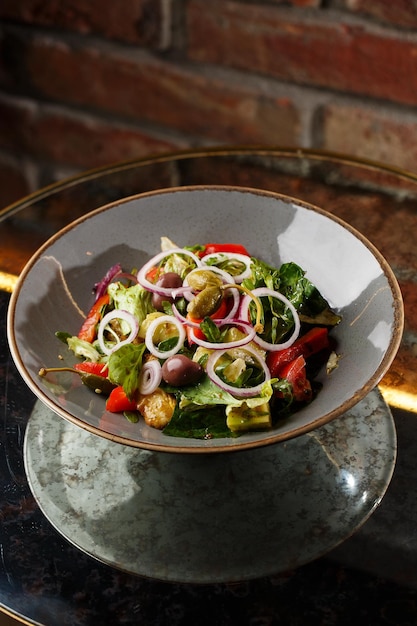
(209, 423)
(212, 331)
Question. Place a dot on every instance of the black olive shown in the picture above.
(170, 280)
(179, 370)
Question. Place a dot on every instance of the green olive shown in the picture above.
(205, 303)
(201, 279)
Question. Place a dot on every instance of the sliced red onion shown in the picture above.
(243, 258)
(164, 319)
(226, 345)
(240, 392)
(112, 315)
(264, 291)
(227, 278)
(125, 276)
(163, 291)
(150, 377)
(100, 287)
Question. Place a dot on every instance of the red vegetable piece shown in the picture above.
(154, 274)
(88, 330)
(314, 341)
(214, 248)
(118, 402)
(219, 314)
(98, 369)
(295, 373)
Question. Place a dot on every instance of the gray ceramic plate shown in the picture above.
(208, 519)
(55, 289)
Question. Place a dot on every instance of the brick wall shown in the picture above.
(84, 83)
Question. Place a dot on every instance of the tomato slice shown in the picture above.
(88, 330)
(213, 248)
(118, 402)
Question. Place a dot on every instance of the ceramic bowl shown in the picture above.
(55, 288)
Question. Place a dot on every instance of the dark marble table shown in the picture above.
(372, 576)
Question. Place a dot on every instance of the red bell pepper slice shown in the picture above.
(118, 402)
(88, 330)
(214, 248)
(295, 373)
(98, 369)
(314, 341)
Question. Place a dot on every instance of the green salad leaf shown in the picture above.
(207, 423)
(125, 365)
(205, 393)
(83, 348)
(135, 299)
(290, 280)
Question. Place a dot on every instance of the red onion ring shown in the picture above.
(244, 312)
(240, 392)
(150, 377)
(122, 315)
(162, 291)
(125, 276)
(226, 345)
(164, 319)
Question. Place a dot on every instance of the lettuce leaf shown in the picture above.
(125, 365)
(135, 299)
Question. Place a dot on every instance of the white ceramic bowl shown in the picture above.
(55, 286)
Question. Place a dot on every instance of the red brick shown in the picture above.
(137, 21)
(13, 182)
(409, 293)
(16, 123)
(367, 133)
(299, 3)
(299, 47)
(142, 87)
(397, 12)
(58, 135)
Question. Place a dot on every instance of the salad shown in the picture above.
(204, 341)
